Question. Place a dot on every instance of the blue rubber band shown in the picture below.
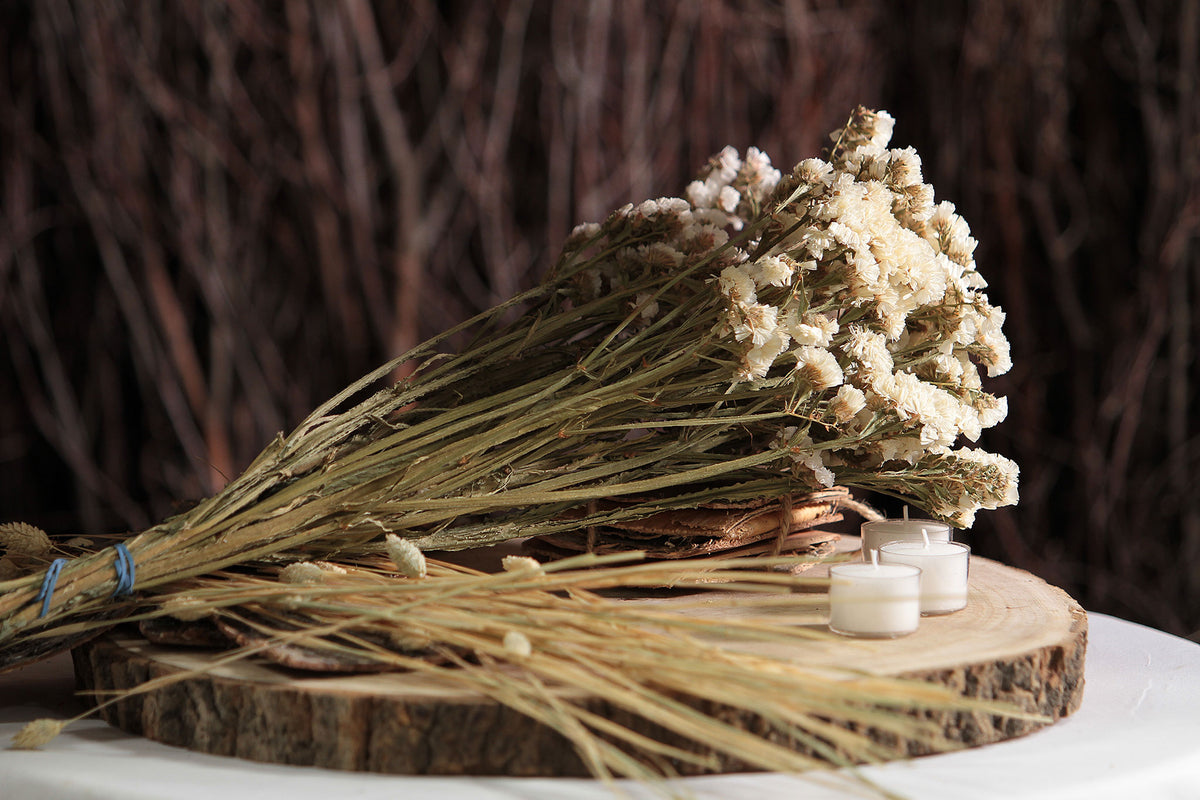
(125, 570)
(47, 590)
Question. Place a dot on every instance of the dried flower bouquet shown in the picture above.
(769, 335)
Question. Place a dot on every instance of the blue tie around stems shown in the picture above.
(47, 590)
(125, 570)
(126, 574)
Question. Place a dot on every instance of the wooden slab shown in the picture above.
(1019, 639)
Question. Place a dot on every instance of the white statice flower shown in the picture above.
(867, 282)
(968, 422)
(646, 209)
(868, 162)
(758, 174)
(946, 364)
(988, 481)
(913, 205)
(970, 373)
(582, 234)
(898, 448)
(815, 241)
(728, 199)
(804, 455)
(702, 194)
(725, 164)
(1001, 475)
(934, 410)
(772, 271)
(846, 404)
(966, 326)
(756, 322)
(816, 330)
(714, 217)
(950, 234)
(992, 410)
(673, 206)
(994, 348)
(868, 353)
(670, 212)
(759, 359)
(732, 187)
(851, 237)
(880, 125)
(736, 283)
(646, 306)
(702, 237)
(818, 367)
(904, 167)
(815, 171)
(714, 190)
(661, 256)
(997, 357)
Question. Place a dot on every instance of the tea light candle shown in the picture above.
(880, 601)
(882, 531)
(943, 571)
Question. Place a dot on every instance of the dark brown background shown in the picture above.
(217, 214)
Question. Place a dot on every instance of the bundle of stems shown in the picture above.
(546, 641)
(767, 336)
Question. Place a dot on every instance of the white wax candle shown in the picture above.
(943, 571)
(882, 531)
(874, 600)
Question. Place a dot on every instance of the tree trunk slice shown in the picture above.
(1019, 640)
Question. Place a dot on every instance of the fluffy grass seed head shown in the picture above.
(408, 558)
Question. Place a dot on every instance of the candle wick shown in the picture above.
(925, 536)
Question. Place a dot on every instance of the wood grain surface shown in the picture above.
(1019, 639)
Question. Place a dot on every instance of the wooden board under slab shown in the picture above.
(1019, 639)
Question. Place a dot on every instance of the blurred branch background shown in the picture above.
(217, 214)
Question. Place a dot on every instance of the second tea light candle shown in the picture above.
(943, 568)
(881, 531)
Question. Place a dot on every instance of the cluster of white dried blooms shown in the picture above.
(734, 186)
(667, 235)
(848, 293)
(890, 279)
(655, 237)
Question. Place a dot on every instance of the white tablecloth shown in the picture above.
(1136, 737)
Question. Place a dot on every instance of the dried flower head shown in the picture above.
(519, 563)
(309, 572)
(24, 540)
(186, 608)
(408, 558)
(518, 644)
(37, 734)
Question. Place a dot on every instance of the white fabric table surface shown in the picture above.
(1136, 737)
